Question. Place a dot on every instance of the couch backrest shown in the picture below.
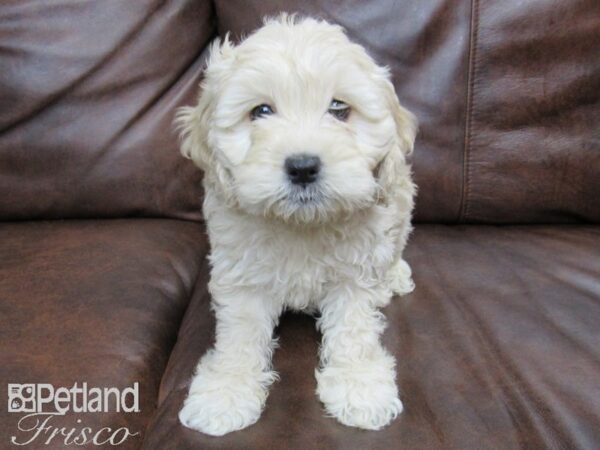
(87, 95)
(507, 94)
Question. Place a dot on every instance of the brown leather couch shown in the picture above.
(102, 246)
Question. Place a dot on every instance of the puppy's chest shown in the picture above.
(297, 269)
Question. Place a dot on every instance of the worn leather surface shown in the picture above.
(93, 301)
(532, 150)
(497, 348)
(88, 91)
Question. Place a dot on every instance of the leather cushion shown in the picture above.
(497, 348)
(93, 301)
(532, 151)
(88, 92)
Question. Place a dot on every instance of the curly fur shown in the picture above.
(334, 249)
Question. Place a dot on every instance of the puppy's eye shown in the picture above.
(261, 111)
(339, 110)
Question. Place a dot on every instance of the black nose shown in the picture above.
(302, 169)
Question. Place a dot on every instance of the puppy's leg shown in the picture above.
(356, 380)
(230, 386)
(400, 278)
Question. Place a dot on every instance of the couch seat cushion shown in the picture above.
(497, 348)
(96, 302)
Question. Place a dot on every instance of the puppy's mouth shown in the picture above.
(305, 195)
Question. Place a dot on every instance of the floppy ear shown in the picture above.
(393, 167)
(194, 122)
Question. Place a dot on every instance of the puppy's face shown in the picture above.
(297, 124)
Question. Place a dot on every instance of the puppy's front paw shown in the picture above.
(363, 396)
(219, 407)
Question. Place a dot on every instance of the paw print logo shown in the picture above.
(21, 398)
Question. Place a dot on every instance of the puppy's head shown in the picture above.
(298, 124)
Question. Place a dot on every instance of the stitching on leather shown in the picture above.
(474, 32)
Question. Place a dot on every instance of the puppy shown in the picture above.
(308, 198)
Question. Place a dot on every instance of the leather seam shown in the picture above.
(471, 74)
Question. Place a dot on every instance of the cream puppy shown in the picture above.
(308, 202)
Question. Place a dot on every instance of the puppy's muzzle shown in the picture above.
(303, 169)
